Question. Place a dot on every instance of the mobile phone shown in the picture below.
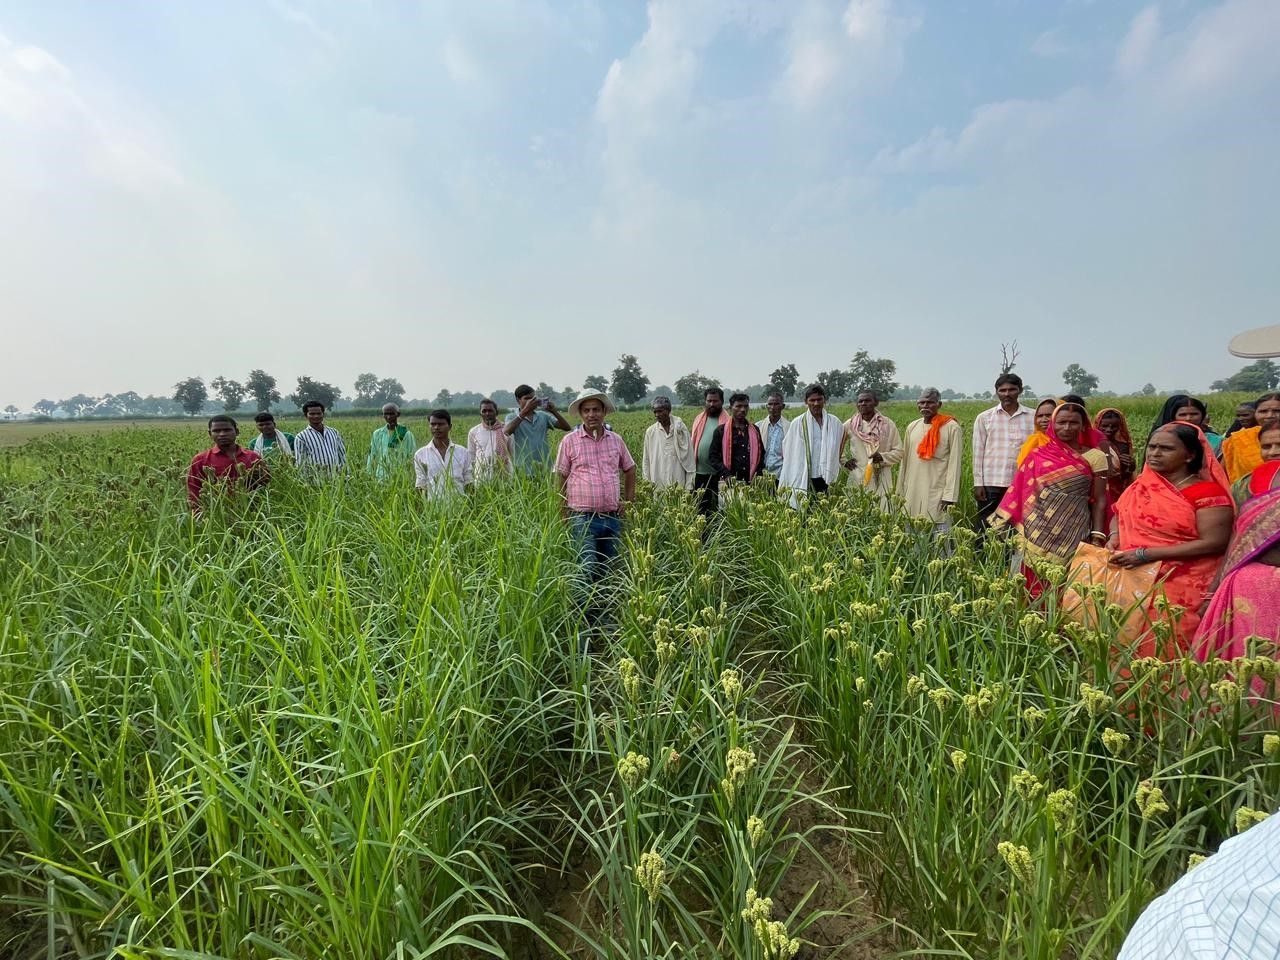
(544, 403)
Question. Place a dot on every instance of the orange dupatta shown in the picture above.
(1242, 453)
(929, 444)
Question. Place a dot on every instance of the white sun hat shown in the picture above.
(586, 395)
(1257, 344)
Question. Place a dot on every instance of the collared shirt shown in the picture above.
(388, 450)
(773, 434)
(1227, 908)
(213, 464)
(490, 449)
(997, 438)
(311, 448)
(739, 466)
(529, 445)
(276, 445)
(590, 467)
(442, 474)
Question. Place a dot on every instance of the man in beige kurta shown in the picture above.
(931, 485)
(872, 447)
(668, 455)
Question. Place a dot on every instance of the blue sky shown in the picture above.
(469, 195)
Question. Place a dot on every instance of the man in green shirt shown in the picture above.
(391, 447)
(271, 443)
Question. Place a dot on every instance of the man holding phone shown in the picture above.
(528, 427)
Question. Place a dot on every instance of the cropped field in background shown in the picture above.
(346, 723)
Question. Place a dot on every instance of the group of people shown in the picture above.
(1205, 507)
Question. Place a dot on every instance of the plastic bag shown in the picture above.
(1093, 584)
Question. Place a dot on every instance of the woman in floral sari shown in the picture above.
(1058, 497)
(1247, 601)
(1111, 423)
(1178, 513)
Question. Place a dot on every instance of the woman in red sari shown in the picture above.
(1178, 513)
(1058, 497)
(1247, 602)
(1111, 423)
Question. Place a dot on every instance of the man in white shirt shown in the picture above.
(488, 444)
(773, 429)
(998, 435)
(318, 449)
(668, 451)
(442, 468)
(811, 448)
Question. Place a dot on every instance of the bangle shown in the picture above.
(1142, 555)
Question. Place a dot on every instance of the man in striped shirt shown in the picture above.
(998, 435)
(318, 449)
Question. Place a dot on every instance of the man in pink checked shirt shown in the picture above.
(587, 467)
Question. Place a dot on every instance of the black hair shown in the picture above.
(716, 390)
(264, 416)
(814, 390)
(222, 418)
(738, 398)
(868, 392)
(1012, 378)
(523, 390)
(1076, 399)
(441, 414)
(775, 393)
(1190, 438)
(1074, 408)
(1266, 398)
(1274, 428)
(487, 400)
(312, 403)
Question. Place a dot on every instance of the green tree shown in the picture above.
(390, 390)
(837, 382)
(309, 389)
(366, 387)
(868, 373)
(45, 407)
(1258, 377)
(1080, 380)
(262, 387)
(190, 394)
(629, 382)
(230, 392)
(596, 382)
(1148, 390)
(444, 398)
(78, 405)
(691, 389)
(785, 378)
(11, 411)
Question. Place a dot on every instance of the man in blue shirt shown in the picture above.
(528, 428)
(772, 429)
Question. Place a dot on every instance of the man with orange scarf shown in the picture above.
(929, 478)
(700, 434)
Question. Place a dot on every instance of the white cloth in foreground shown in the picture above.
(439, 475)
(667, 458)
(1227, 908)
(810, 450)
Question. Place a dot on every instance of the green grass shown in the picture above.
(345, 722)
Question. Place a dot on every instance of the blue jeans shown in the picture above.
(596, 535)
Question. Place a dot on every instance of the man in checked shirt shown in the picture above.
(589, 464)
(998, 435)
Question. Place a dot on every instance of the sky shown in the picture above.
(474, 194)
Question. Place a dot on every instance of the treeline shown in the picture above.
(628, 384)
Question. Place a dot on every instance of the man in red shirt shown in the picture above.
(225, 461)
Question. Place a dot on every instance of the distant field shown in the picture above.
(14, 434)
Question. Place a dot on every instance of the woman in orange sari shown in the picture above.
(1177, 513)
(1241, 452)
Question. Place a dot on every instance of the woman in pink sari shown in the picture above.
(1178, 513)
(1058, 497)
(1246, 603)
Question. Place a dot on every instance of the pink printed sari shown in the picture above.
(1049, 502)
(1246, 605)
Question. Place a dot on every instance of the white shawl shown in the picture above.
(257, 446)
(806, 445)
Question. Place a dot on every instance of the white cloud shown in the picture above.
(1050, 45)
(1139, 43)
